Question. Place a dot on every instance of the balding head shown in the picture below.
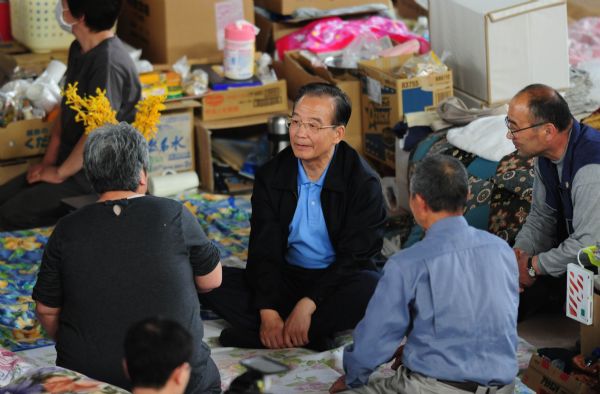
(545, 104)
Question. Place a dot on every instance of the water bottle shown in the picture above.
(279, 137)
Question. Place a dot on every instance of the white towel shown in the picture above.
(485, 137)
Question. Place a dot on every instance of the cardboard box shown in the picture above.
(578, 9)
(498, 47)
(299, 72)
(590, 335)
(287, 7)
(410, 9)
(11, 48)
(271, 31)
(32, 64)
(173, 147)
(167, 30)
(24, 138)
(206, 129)
(12, 168)
(240, 102)
(543, 377)
(386, 98)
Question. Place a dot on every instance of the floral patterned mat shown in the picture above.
(225, 220)
(310, 372)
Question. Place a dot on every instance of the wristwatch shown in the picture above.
(530, 269)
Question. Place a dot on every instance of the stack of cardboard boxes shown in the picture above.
(386, 98)
(195, 29)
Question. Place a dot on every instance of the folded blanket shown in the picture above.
(485, 137)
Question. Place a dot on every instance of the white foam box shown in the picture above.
(497, 47)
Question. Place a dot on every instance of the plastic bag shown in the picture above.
(264, 72)
(421, 66)
(364, 47)
(194, 83)
(584, 40)
(335, 34)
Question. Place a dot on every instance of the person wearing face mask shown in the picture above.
(97, 60)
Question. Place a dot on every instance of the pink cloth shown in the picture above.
(334, 34)
(584, 40)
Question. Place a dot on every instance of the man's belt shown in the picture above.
(467, 386)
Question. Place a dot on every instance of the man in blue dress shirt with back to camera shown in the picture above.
(454, 296)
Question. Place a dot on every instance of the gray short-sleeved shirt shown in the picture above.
(106, 66)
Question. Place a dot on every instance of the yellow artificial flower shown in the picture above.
(148, 115)
(92, 111)
(95, 111)
(27, 243)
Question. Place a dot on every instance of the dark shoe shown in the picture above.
(322, 344)
(235, 337)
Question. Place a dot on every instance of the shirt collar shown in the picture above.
(303, 178)
(562, 158)
(447, 224)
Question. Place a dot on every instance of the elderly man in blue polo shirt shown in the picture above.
(317, 227)
(454, 296)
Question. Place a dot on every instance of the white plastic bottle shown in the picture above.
(238, 52)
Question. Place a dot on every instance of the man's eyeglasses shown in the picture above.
(312, 127)
(513, 132)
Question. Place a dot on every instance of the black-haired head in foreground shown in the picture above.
(154, 349)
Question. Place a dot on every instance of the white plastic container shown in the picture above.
(33, 23)
(239, 49)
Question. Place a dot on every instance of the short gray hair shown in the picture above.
(442, 181)
(114, 156)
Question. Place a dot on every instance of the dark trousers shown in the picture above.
(342, 310)
(24, 205)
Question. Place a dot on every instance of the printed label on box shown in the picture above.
(580, 291)
(374, 90)
(172, 147)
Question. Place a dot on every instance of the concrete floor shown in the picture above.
(549, 330)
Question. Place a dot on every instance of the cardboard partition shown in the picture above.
(167, 30)
(542, 377)
(240, 102)
(385, 99)
(24, 138)
(590, 335)
(204, 161)
(13, 168)
(173, 147)
(498, 47)
(298, 72)
(287, 7)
